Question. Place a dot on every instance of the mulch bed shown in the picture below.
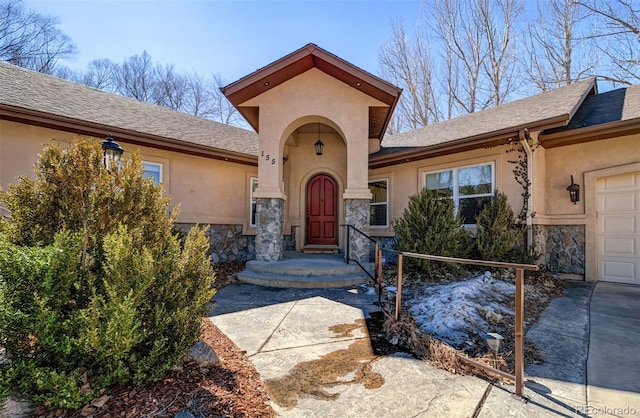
(232, 388)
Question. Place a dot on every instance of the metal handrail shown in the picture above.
(519, 302)
(519, 296)
(377, 258)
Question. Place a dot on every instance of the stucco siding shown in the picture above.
(408, 179)
(562, 162)
(208, 191)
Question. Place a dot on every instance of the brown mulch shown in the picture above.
(232, 388)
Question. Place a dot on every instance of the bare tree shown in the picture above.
(136, 78)
(464, 48)
(222, 109)
(100, 74)
(409, 65)
(478, 51)
(559, 49)
(170, 89)
(31, 40)
(199, 101)
(618, 23)
(64, 72)
(498, 20)
(476, 43)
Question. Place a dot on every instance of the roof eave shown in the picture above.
(308, 57)
(80, 127)
(484, 140)
(590, 133)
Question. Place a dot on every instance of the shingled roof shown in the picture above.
(62, 104)
(612, 113)
(550, 109)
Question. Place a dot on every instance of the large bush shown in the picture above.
(497, 233)
(95, 289)
(499, 236)
(430, 226)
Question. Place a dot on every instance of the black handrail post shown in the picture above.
(348, 243)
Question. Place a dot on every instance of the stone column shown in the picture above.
(357, 213)
(269, 228)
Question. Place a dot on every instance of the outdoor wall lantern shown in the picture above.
(574, 191)
(493, 341)
(111, 152)
(319, 145)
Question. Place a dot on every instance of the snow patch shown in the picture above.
(456, 312)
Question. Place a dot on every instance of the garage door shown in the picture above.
(619, 228)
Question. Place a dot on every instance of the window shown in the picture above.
(252, 208)
(379, 203)
(470, 188)
(152, 171)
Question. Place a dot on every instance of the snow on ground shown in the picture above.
(457, 312)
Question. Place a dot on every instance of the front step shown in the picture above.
(301, 282)
(305, 271)
(320, 249)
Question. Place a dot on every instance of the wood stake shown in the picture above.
(399, 288)
(519, 326)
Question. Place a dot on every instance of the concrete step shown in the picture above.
(321, 249)
(305, 282)
(309, 271)
(307, 266)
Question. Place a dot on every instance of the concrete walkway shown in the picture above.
(312, 349)
(613, 365)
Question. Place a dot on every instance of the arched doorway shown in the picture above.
(322, 211)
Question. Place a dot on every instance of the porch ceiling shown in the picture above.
(308, 57)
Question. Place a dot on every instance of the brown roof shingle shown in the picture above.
(21, 88)
(554, 106)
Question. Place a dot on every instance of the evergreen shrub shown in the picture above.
(430, 226)
(499, 237)
(95, 288)
(497, 234)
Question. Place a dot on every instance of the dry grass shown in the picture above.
(539, 292)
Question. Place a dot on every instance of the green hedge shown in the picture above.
(95, 289)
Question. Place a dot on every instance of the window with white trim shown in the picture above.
(470, 187)
(252, 207)
(153, 171)
(379, 204)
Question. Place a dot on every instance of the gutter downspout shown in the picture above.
(523, 136)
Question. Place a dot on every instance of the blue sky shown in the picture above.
(232, 38)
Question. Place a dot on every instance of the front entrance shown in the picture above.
(322, 211)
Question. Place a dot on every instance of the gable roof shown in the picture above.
(546, 110)
(305, 58)
(601, 116)
(39, 99)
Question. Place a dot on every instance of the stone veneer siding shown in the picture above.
(289, 241)
(385, 242)
(227, 242)
(269, 228)
(357, 212)
(562, 246)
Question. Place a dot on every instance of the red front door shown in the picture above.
(322, 211)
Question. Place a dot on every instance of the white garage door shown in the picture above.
(619, 228)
